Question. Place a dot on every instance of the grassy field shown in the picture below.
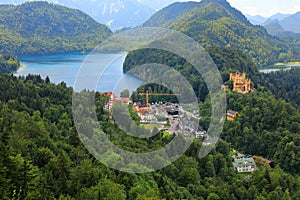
(150, 126)
(282, 66)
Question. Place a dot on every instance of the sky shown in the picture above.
(266, 8)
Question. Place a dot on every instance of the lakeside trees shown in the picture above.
(8, 63)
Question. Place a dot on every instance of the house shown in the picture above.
(125, 100)
(111, 95)
(231, 115)
(240, 83)
(242, 165)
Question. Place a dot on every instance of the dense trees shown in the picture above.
(284, 84)
(8, 63)
(40, 28)
(42, 157)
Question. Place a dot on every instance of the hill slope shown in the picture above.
(215, 22)
(38, 28)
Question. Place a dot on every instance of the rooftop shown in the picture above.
(244, 162)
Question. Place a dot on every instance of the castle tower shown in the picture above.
(240, 83)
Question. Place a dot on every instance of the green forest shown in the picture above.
(22, 32)
(8, 63)
(42, 156)
(215, 23)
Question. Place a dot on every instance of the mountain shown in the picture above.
(168, 14)
(158, 4)
(273, 27)
(279, 16)
(291, 23)
(216, 23)
(284, 25)
(38, 28)
(256, 20)
(114, 13)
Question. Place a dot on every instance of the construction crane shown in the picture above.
(155, 94)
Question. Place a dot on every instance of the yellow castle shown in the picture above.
(240, 83)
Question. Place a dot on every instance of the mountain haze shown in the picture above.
(291, 23)
(116, 14)
(284, 25)
(38, 28)
(257, 19)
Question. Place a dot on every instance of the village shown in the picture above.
(184, 119)
(170, 117)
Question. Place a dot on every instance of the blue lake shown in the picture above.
(101, 72)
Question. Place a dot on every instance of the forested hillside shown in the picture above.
(284, 84)
(216, 23)
(42, 157)
(227, 60)
(39, 28)
(8, 63)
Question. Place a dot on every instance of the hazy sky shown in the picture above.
(266, 7)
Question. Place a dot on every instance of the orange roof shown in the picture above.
(125, 100)
(136, 108)
(143, 110)
(111, 103)
(109, 94)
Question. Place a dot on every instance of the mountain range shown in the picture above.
(281, 25)
(39, 28)
(116, 14)
(256, 19)
(158, 4)
(216, 23)
(260, 20)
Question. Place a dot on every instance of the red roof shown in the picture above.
(263, 159)
(125, 100)
(109, 94)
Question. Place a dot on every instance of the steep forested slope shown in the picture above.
(37, 28)
(215, 22)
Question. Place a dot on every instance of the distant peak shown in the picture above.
(223, 3)
(215, 1)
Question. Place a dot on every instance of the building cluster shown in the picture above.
(113, 99)
(167, 115)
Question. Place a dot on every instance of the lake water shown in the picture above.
(65, 68)
(267, 71)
